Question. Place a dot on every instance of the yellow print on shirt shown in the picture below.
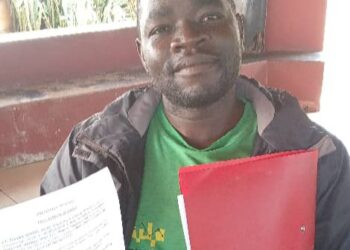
(153, 237)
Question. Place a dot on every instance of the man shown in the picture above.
(198, 110)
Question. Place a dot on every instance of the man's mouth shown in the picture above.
(195, 65)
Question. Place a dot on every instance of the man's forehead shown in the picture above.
(159, 8)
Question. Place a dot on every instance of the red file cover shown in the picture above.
(260, 203)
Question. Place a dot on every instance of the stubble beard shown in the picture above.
(203, 95)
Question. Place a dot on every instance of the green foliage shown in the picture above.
(53, 14)
(31, 15)
(131, 9)
(27, 14)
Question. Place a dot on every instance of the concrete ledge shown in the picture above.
(63, 57)
(33, 127)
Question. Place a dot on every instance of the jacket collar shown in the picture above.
(282, 124)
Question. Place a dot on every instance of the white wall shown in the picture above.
(335, 99)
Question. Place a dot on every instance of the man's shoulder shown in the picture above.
(281, 120)
(119, 109)
(253, 90)
(117, 106)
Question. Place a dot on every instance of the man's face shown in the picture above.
(190, 48)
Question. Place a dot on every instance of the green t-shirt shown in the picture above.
(158, 224)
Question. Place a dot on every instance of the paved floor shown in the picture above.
(21, 183)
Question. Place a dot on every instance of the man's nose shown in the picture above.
(187, 38)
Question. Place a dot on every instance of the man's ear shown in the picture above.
(140, 52)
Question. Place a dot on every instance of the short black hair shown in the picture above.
(138, 12)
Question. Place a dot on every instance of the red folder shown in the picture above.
(260, 203)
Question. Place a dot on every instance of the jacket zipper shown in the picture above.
(102, 151)
(106, 154)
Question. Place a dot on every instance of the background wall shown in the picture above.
(334, 114)
(47, 82)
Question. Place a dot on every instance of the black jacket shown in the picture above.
(116, 138)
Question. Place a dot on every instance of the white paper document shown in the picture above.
(182, 209)
(83, 216)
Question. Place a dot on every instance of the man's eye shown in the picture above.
(160, 30)
(211, 18)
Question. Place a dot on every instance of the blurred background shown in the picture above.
(31, 15)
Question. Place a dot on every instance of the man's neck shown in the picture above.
(200, 127)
